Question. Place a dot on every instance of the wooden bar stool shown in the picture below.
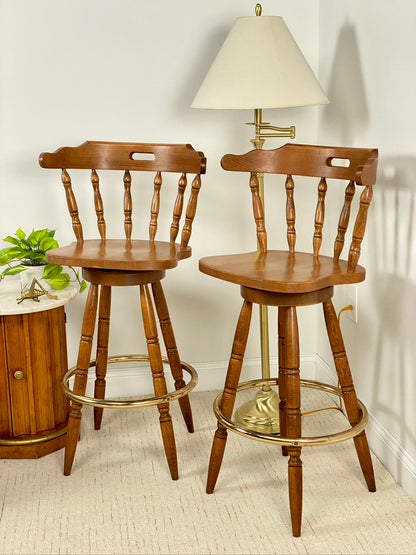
(125, 262)
(288, 279)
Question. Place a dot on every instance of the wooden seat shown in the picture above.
(288, 279)
(107, 262)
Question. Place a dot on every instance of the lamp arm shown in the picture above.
(281, 131)
(261, 126)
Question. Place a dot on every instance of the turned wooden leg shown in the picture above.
(293, 415)
(172, 351)
(229, 393)
(159, 382)
(350, 398)
(102, 351)
(81, 375)
(282, 375)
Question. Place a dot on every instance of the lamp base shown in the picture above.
(261, 414)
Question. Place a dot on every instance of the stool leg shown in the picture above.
(293, 418)
(81, 375)
(350, 398)
(229, 393)
(159, 382)
(172, 351)
(102, 351)
(282, 376)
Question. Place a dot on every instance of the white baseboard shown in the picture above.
(212, 374)
(386, 448)
(128, 379)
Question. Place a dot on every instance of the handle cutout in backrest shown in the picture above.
(339, 162)
(143, 156)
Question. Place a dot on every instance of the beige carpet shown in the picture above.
(120, 499)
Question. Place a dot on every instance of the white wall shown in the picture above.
(128, 70)
(367, 67)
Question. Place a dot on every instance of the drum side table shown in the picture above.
(33, 360)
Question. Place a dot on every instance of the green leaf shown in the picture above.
(51, 271)
(36, 237)
(25, 245)
(83, 286)
(31, 240)
(60, 282)
(34, 258)
(12, 240)
(47, 244)
(5, 257)
(12, 252)
(14, 271)
(20, 234)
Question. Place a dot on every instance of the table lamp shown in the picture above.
(260, 66)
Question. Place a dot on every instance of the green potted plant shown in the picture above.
(29, 251)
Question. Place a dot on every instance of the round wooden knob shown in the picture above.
(18, 375)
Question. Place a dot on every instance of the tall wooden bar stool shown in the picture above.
(128, 262)
(288, 279)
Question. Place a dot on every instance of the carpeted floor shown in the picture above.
(120, 499)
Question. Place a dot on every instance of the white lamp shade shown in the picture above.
(259, 66)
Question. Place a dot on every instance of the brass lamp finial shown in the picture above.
(258, 9)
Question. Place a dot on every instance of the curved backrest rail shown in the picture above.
(357, 166)
(121, 156)
(309, 161)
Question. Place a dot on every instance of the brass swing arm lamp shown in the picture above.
(260, 66)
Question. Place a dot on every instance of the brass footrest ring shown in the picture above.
(294, 442)
(130, 403)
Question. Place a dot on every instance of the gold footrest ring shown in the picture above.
(294, 442)
(130, 403)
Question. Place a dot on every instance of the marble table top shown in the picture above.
(10, 291)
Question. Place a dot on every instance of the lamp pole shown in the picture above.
(262, 413)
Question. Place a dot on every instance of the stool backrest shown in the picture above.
(357, 166)
(132, 157)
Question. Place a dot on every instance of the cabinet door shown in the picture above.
(37, 361)
(19, 374)
(5, 417)
(48, 363)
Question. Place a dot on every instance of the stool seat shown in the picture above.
(281, 271)
(117, 254)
